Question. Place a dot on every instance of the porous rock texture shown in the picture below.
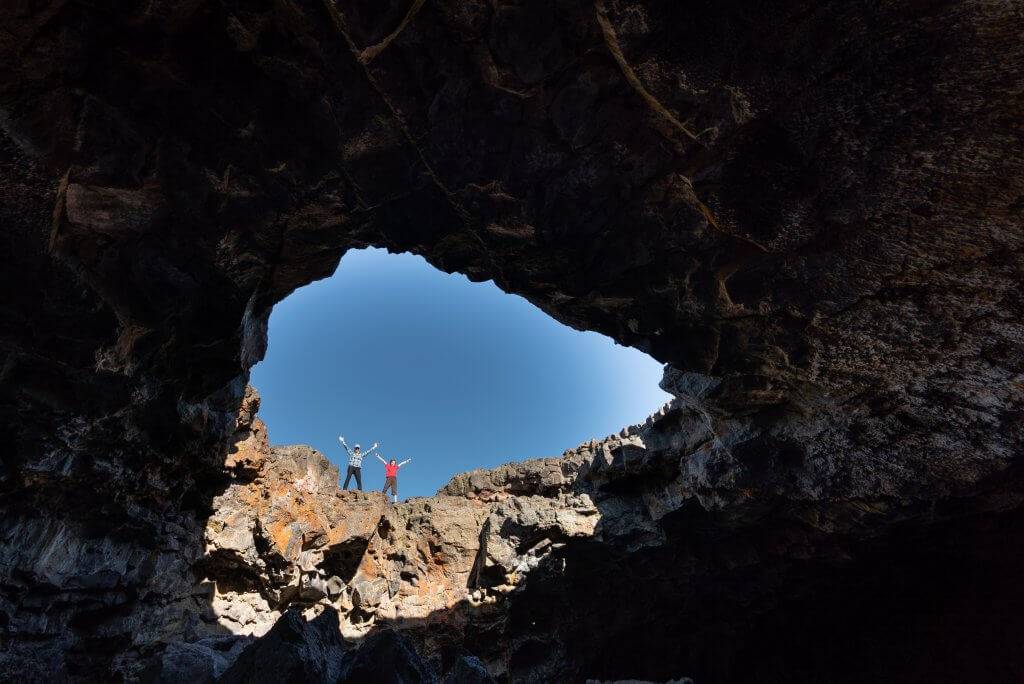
(811, 211)
(286, 544)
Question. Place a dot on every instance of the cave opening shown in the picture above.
(454, 374)
(807, 209)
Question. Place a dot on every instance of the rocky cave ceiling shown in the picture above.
(811, 210)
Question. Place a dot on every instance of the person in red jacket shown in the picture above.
(391, 475)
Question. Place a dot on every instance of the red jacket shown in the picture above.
(391, 469)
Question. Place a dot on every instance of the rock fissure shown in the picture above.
(612, 43)
(367, 54)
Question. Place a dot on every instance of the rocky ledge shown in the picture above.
(286, 541)
(503, 570)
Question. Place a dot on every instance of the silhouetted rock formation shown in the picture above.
(200, 662)
(294, 650)
(518, 563)
(811, 211)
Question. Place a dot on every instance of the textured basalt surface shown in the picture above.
(586, 565)
(811, 210)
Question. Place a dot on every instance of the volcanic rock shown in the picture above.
(811, 212)
(468, 670)
(203, 661)
(293, 650)
(387, 657)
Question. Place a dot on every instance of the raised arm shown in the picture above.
(381, 459)
(404, 462)
(371, 449)
(343, 445)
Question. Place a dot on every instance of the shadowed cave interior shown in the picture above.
(810, 212)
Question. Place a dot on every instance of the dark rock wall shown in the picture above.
(811, 210)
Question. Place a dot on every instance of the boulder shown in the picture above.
(200, 662)
(293, 650)
(468, 670)
(387, 657)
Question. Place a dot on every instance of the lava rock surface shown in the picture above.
(811, 212)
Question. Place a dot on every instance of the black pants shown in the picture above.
(358, 472)
(391, 482)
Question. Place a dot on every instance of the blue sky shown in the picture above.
(454, 374)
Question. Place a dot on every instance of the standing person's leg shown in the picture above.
(387, 483)
(358, 472)
(348, 476)
(394, 488)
